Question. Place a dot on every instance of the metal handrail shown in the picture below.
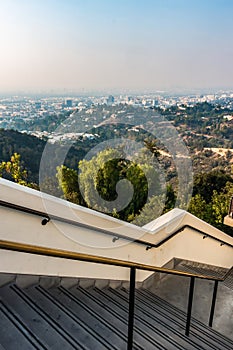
(205, 235)
(70, 255)
(58, 253)
(47, 217)
(26, 248)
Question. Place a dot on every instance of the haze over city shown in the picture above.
(101, 45)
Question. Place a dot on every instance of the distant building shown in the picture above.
(69, 103)
(38, 105)
(154, 103)
(110, 100)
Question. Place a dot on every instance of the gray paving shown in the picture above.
(175, 290)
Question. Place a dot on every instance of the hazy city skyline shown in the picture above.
(100, 45)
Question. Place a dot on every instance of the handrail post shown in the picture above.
(131, 307)
(213, 303)
(190, 303)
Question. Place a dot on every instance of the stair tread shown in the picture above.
(36, 317)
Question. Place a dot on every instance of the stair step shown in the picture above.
(180, 314)
(198, 330)
(113, 338)
(14, 335)
(34, 318)
(162, 332)
(144, 334)
(73, 317)
(189, 266)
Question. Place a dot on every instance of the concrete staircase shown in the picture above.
(59, 316)
(215, 271)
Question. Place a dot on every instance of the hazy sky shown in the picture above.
(122, 44)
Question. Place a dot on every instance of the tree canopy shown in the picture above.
(14, 170)
(110, 183)
(206, 183)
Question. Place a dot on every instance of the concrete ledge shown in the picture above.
(228, 220)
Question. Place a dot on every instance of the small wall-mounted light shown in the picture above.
(204, 237)
(148, 247)
(221, 244)
(45, 221)
(115, 239)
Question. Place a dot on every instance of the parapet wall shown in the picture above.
(26, 228)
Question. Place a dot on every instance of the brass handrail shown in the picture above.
(58, 253)
(71, 255)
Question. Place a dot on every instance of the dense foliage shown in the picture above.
(202, 127)
(110, 183)
(29, 147)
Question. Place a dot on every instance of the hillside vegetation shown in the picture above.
(203, 128)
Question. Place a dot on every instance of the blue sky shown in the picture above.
(115, 44)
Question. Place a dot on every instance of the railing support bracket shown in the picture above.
(45, 221)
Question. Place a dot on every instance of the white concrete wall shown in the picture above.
(228, 220)
(27, 228)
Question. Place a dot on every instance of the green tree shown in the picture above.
(151, 210)
(101, 176)
(110, 183)
(68, 182)
(151, 145)
(214, 211)
(50, 185)
(220, 203)
(14, 170)
(200, 208)
(170, 198)
(206, 183)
